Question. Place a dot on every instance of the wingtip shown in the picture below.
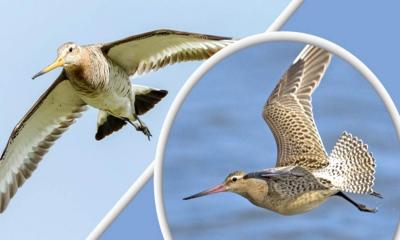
(99, 136)
(165, 92)
(309, 50)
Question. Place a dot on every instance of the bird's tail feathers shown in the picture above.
(351, 166)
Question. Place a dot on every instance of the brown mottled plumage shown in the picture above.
(96, 75)
(304, 176)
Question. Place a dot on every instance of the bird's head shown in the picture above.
(234, 182)
(68, 54)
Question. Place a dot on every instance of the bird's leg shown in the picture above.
(144, 128)
(360, 206)
(135, 121)
(140, 126)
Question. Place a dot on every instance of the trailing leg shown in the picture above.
(360, 206)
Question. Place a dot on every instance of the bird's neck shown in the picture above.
(90, 73)
(255, 190)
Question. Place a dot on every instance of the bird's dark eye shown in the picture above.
(234, 179)
(70, 49)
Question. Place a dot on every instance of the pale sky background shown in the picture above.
(80, 179)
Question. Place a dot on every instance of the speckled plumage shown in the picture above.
(305, 175)
(351, 167)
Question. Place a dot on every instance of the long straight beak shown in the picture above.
(219, 188)
(59, 62)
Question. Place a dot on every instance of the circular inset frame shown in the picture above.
(226, 52)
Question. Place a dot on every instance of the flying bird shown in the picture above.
(97, 75)
(305, 175)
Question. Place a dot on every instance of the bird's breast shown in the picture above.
(83, 82)
(289, 195)
(104, 86)
(303, 202)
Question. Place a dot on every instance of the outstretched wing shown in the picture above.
(153, 50)
(51, 115)
(288, 111)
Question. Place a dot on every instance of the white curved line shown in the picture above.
(226, 52)
(148, 173)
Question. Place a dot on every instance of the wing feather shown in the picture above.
(288, 111)
(153, 50)
(44, 123)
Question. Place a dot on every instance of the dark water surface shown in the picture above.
(219, 129)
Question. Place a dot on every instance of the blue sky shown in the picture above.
(80, 179)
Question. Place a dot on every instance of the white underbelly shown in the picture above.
(110, 102)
